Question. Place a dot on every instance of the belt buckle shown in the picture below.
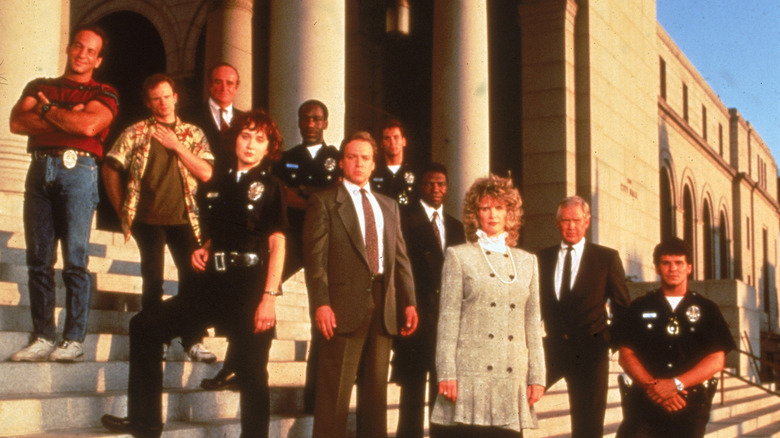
(219, 261)
(69, 159)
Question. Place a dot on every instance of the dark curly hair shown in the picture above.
(501, 190)
(254, 120)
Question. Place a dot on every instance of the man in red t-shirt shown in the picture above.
(66, 120)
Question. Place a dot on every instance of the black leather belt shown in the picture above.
(56, 152)
(224, 260)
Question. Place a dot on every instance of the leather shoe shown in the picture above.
(225, 379)
(135, 428)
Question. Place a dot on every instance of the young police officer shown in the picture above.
(672, 342)
(244, 220)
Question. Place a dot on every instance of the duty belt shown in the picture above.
(224, 260)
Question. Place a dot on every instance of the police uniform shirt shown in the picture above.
(240, 215)
(297, 167)
(398, 185)
(670, 342)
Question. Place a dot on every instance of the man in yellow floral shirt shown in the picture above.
(164, 159)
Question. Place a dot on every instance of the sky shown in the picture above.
(735, 46)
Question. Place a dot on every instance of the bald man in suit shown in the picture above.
(360, 281)
(573, 294)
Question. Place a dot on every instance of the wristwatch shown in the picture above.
(274, 293)
(678, 384)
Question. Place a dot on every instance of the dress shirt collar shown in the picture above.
(216, 109)
(577, 247)
(429, 211)
(354, 189)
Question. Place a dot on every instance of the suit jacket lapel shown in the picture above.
(426, 230)
(584, 269)
(348, 215)
(389, 230)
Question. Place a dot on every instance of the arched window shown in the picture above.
(688, 225)
(723, 244)
(666, 205)
(707, 247)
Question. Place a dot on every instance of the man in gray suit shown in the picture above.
(360, 281)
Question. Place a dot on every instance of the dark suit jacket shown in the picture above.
(202, 118)
(582, 313)
(417, 353)
(336, 265)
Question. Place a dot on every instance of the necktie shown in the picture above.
(435, 226)
(372, 243)
(566, 277)
(223, 124)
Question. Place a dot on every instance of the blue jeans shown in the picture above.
(58, 205)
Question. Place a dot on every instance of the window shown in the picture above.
(720, 139)
(663, 78)
(704, 122)
(685, 102)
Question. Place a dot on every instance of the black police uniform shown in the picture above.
(669, 343)
(238, 217)
(297, 168)
(399, 185)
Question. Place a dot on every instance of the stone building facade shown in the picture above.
(571, 96)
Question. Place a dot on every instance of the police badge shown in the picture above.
(256, 190)
(693, 313)
(329, 164)
(673, 328)
(69, 159)
(409, 178)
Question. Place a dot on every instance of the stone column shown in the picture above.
(549, 142)
(307, 61)
(460, 128)
(33, 39)
(229, 39)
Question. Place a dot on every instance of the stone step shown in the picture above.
(290, 307)
(78, 414)
(40, 379)
(103, 347)
(11, 201)
(17, 319)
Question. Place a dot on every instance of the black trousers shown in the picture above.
(151, 241)
(584, 363)
(227, 300)
(644, 419)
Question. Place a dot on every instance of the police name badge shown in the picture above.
(693, 313)
(256, 191)
(329, 164)
(409, 178)
(69, 159)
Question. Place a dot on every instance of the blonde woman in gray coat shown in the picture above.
(489, 354)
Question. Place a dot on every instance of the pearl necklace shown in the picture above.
(513, 277)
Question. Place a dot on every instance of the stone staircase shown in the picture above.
(67, 400)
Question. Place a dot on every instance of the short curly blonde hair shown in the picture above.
(501, 190)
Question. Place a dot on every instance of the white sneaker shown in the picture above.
(68, 351)
(199, 353)
(37, 351)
